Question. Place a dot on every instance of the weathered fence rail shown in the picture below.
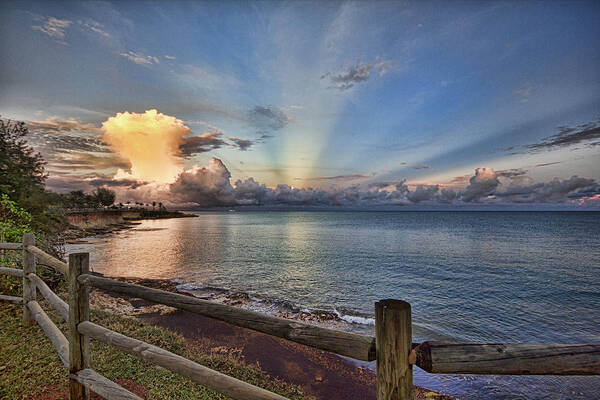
(347, 344)
(392, 346)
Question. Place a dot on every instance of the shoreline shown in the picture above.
(319, 373)
(74, 234)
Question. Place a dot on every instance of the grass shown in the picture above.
(29, 365)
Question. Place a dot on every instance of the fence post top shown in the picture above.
(394, 304)
(79, 255)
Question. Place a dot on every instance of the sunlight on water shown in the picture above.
(489, 277)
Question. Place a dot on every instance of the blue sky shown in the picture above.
(322, 94)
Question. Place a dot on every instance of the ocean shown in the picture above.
(518, 277)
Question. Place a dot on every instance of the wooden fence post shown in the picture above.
(28, 286)
(79, 311)
(393, 328)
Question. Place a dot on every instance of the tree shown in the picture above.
(153, 205)
(104, 196)
(22, 173)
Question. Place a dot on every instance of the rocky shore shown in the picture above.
(319, 373)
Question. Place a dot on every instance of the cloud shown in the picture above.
(481, 184)
(268, 118)
(150, 142)
(461, 180)
(242, 144)
(169, 57)
(55, 125)
(140, 58)
(54, 137)
(211, 186)
(546, 164)
(338, 177)
(447, 196)
(555, 191)
(346, 78)
(206, 186)
(70, 161)
(53, 27)
(201, 144)
(65, 184)
(422, 193)
(420, 166)
(588, 133)
(95, 27)
(128, 183)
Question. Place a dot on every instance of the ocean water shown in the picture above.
(520, 277)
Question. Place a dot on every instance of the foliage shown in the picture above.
(14, 220)
(22, 176)
(104, 197)
(21, 168)
(77, 199)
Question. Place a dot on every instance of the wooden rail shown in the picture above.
(198, 373)
(11, 272)
(395, 352)
(11, 299)
(11, 246)
(58, 339)
(509, 359)
(83, 379)
(47, 259)
(347, 344)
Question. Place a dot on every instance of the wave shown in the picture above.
(337, 318)
(355, 319)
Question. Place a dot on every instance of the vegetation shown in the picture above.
(14, 220)
(45, 373)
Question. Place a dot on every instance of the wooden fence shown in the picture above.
(392, 346)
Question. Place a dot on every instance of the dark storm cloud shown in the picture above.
(202, 144)
(130, 183)
(349, 77)
(588, 133)
(511, 173)
(346, 78)
(241, 144)
(268, 118)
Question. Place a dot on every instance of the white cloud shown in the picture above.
(53, 27)
(95, 27)
(140, 58)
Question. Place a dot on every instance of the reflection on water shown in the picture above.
(491, 277)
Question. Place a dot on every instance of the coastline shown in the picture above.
(320, 374)
(73, 234)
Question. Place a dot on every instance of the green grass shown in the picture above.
(30, 366)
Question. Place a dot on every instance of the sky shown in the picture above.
(311, 103)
